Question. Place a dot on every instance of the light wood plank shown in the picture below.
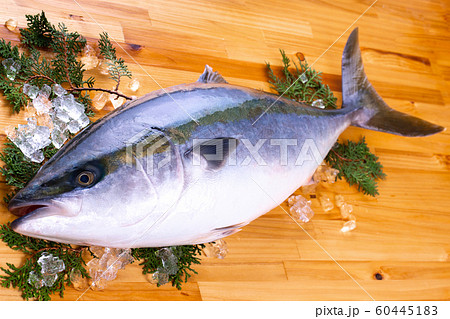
(404, 233)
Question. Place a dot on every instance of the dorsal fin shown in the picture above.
(209, 76)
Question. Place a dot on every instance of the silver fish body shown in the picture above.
(190, 166)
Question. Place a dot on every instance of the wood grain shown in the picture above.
(403, 235)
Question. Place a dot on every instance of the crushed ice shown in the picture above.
(49, 121)
(105, 266)
(169, 266)
(51, 266)
(300, 208)
(11, 68)
(216, 249)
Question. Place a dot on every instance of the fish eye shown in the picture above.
(85, 178)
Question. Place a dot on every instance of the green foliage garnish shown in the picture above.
(187, 255)
(63, 69)
(116, 66)
(354, 161)
(17, 277)
(12, 89)
(18, 170)
(39, 31)
(292, 86)
(357, 164)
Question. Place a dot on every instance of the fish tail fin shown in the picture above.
(373, 113)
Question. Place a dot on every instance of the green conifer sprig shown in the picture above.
(354, 161)
(116, 66)
(290, 84)
(38, 32)
(12, 89)
(17, 169)
(357, 164)
(17, 277)
(64, 68)
(187, 255)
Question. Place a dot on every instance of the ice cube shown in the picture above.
(339, 200)
(124, 257)
(325, 173)
(309, 189)
(77, 280)
(11, 24)
(319, 173)
(11, 132)
(58, 90)
(42, 104)
(97, 251)
(303, 78)
(46, 91)
(11, 68)
(348, 226)
(326, 203)
(50, 264)
(74, 108)
(45, 120)
(331, 175)
(30, 139)
(96, 268)
(83, 120)
(40, 137)
(159, 277)
(105, 267)
(68, 105)
(318, 103)
(37, 157)
(59, 137)
(29, 112)
(99, 100)
(169, 260)
(216, 249)
(30, 90)
(31, 124)
(74, 126)
(300, 208)
(62, 116)
(116, 100)
(346, 210)
(104, 67)
(89, 58)
(26, 148)
(49, 279)
(134, 85)
(35, 280)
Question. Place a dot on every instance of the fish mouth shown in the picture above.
(30, 211)
(25, 209)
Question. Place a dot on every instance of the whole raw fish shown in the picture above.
(195, 162)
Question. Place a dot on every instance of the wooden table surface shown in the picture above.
(403, 234)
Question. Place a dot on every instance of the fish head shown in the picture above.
(83, 202)
(90, 193)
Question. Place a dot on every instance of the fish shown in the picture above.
(195, 162)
